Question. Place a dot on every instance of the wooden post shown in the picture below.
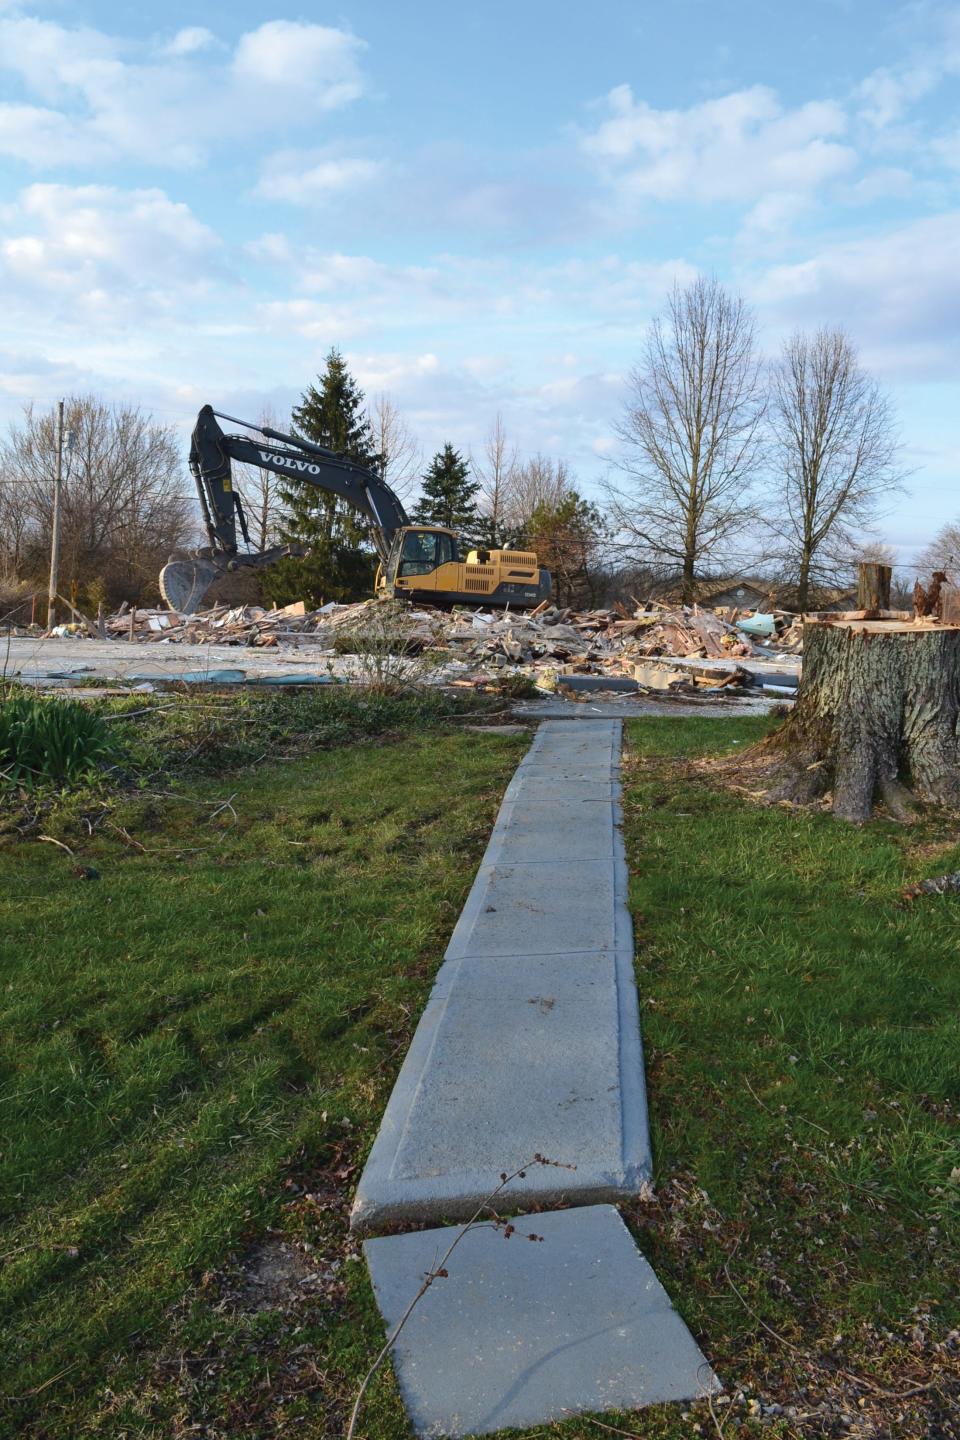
(950, 605)
(55, 528)
(873, 585)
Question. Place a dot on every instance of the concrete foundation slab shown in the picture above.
(522, 1332)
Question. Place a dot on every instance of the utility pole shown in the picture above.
(55, 539)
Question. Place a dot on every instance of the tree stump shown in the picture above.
(873, 585)
(876, 714)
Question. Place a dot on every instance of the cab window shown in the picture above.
(419, 554)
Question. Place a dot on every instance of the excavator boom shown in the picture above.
(186, 577)
(422, 563)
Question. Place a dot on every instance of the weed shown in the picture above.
(389, 653)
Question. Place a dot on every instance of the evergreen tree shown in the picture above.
(567, 535)
(340, 565)
(449, 495)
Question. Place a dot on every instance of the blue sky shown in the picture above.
(481, 206)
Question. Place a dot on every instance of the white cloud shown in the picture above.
(897, 292)
(309, 178)
(489, 295)
(101, 99)
(96, 252)
(189, 40)
(738, 147)
(884, 97)
(314, 61)
(774, 214)
(34, 134)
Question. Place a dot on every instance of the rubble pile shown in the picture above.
(657, 647)
(594, 641)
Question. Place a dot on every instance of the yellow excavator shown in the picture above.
(422, 563)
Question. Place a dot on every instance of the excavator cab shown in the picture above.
(416, 557)
(425, 564)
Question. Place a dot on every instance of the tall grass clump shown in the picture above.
(50, 741)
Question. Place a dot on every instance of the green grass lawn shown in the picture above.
(197, 1047)
(802, 1037)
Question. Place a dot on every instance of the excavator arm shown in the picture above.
(186, 577)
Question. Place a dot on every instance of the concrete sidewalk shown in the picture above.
(530, 1042)
(529, 1045)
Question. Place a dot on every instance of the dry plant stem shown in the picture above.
(718, 1426)
(802, 1118)
(610, 1429)
(428, 1281)
(51, 841)
(811, 1359)
(225, 806)
(147, 710)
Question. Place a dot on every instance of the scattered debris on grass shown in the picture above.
(938, 885)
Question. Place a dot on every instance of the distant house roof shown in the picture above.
(722, 590)
(819, 597)
(754, 592)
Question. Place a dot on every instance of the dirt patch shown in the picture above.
(279, 1274)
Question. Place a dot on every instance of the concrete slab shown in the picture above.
(530, 1041)
(515, 1056)
(627, 707)
(522, 1332)
(556, 830)
(541, 789)
(539, 909)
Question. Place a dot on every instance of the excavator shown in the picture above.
(422, 563)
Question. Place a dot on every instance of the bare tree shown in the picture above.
(497, 475)
(691, 432)
(538, 483)
(943, 552)
(395, 444)
(260, 492)
(122, 503)
(835, 452)
(15, 519)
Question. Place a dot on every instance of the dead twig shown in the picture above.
(818, 1364)
(716, 1422)
(37, 1389)
(610, 1429)
(51, 841)
(225, 806)
(127, 837)
(147, 710)
(775, 1116)
(439, 1272)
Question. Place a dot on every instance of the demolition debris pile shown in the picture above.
(657, 647)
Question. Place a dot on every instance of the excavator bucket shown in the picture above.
(184, 582)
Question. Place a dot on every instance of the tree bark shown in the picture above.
(876, 714)
(803, 580)
(873, 585)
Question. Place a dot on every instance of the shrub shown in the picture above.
(50, 740)
(388, 645)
